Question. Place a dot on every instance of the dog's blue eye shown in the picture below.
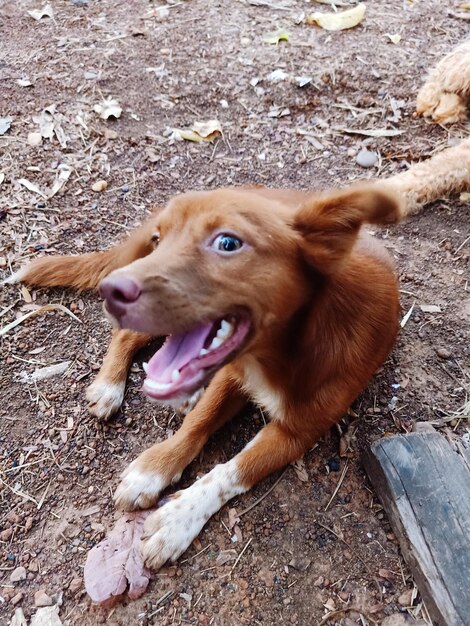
(227, 243)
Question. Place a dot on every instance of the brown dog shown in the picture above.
(271, 295)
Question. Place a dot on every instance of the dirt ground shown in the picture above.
(303, 556)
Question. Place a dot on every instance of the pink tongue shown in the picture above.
(176, 352)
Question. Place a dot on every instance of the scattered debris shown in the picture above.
(31, 187)
(430, 308)
(108, 108)
(45, 373)
(407, 316)
(99, 185)
(275, 37)
(199, 131)
(371, 132)
(47, 307)
(394, 38)
(339, 20)
(5, 124)
(38, 14)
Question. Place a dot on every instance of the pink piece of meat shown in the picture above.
(116, 564)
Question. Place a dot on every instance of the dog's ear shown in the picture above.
(329, 224)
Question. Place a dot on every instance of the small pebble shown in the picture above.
(42, 599)
(406, 598)
(19, 573)
(333, 465)
(99, 185)
(17, 598)
(75, 585)
(443, 353)
(366, 158)
(34, 139)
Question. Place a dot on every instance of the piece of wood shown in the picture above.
(424, 486)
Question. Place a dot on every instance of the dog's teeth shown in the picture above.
(175, 376)
(225, 331)
(203, 352)
(145, 366)
(216, 342)
(157, 386)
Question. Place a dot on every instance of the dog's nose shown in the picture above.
(118, 292)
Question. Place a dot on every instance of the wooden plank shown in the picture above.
(424, 486)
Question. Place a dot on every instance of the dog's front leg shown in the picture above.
(170, 530)
(162, 464)
(106, 393)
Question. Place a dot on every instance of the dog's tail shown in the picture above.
(85, 271)
(444, 173)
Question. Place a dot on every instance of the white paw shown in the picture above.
(104, 398)
(137, 489)
(170, 530)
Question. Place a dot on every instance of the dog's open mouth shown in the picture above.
(186, 361)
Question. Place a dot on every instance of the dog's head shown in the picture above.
(230, 268)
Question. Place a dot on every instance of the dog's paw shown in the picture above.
(140, 489)
(105, 399)
(169, 531)
(441, 106)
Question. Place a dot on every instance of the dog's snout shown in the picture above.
(118, 292)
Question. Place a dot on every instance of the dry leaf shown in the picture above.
(24, 82)
(276, 111)
(116, 562)
(2, 177)
(44, 373)
(108, 108)
(37, 350)
(465, 6)
(430, 308)
(340, 20)
(31, 187)
(275, 37)
(464, 196)
(233, 518)
(38, 14)
(5, 123)
(63, 174)
(46, 122)
(200, 131)
(371, 132)
(300, 471)
(407, 316)
(47, 307)
(277, 75)
(27, 297)
(393, 38)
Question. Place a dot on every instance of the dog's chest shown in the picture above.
(257, 387)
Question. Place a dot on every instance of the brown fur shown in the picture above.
(446, 93)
